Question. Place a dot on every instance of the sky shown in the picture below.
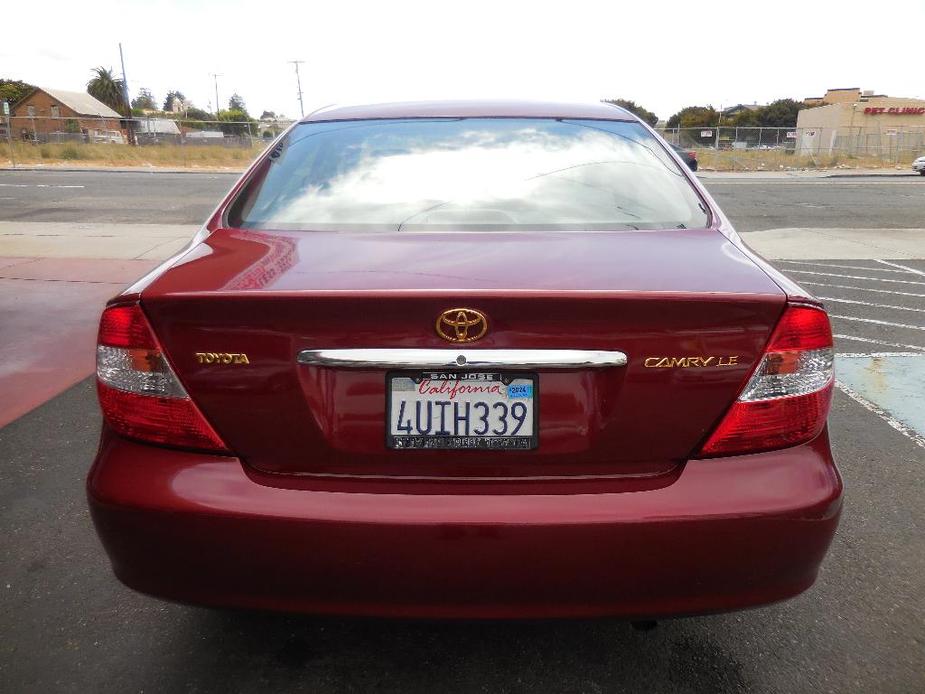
(663, 55)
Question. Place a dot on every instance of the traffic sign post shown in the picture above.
(9, 131)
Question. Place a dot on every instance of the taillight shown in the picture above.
(140, 395)
(786, 400)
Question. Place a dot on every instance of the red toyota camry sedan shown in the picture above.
(453, 359)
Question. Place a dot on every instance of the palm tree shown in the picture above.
(107, 88)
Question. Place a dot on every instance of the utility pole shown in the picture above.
(128, 106)
(298, 82)
(215, 76)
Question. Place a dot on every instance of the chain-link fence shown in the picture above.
(891, 145)
(139, 140)
(142, 130)
(175, 141)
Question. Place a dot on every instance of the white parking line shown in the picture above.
(904, 268)
(879, 322)
(885, 416)
(879, 342)
(861, 289)
(854, 277)
(847, 267)
(862, 355)
(710, 181)
(867, 303)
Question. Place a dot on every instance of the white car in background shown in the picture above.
(919, 165)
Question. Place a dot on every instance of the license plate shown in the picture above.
(446, 409)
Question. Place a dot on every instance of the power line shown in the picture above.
(298, 82)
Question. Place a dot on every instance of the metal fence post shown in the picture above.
(9, 131)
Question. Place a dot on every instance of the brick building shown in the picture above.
(57, 115)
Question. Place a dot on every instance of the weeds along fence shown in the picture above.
(141, 130)
(139, 140)
(890, 145)
(161, 141)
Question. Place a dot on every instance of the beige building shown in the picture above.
(860, 122)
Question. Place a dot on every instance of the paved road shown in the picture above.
(163, 198)
(67, 625)
(874, 305)
(148, 198)
(871, 203)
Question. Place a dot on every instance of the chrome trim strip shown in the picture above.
(401, 358)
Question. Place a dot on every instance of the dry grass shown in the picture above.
(779, 160)
(173, 156)
(237, 158)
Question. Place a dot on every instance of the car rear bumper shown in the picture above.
(723, 534)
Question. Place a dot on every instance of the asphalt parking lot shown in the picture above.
(873, 304)
(67, 625)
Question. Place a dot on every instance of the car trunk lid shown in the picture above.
(690, 311)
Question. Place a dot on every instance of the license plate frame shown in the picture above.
(471, 442)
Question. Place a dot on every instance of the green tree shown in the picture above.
(108, 89)
(635, 108)
(12, 91)
(236, 122)
(236, 103)
(268, 115)
(744, 119)
(194, 119)
(174, 99)
(194, 113)
(780, 114)
(694, 117)
(144, 100)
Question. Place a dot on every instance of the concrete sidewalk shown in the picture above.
(152, 242)
(854, 244)
(54, 281)
(56, 277)
(97, 240)
(72, 168)
(901, 171)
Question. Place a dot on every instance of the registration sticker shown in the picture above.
(520, 390)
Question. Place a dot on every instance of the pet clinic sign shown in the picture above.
(896, 110)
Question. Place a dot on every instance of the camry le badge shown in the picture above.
(462, 325)
(690, 362)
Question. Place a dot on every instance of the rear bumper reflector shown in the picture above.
(462, 359)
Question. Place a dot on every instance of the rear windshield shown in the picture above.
(468, 174)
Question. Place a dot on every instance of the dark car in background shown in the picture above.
(689, 156)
